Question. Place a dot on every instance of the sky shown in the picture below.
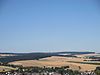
(49, 25)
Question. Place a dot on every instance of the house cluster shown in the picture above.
(46, 73)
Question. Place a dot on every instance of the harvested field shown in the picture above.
(4, 55)
(57, 61)
(5, 68)
(87, 55)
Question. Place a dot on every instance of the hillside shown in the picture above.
(32, 56)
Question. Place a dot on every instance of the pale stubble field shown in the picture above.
(57, 61)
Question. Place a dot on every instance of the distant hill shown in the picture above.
(31, 56)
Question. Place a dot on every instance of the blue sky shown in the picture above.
(49, 25)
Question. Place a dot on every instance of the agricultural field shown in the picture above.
(75, 60)
(6, 55)
(88, 55)
(6, 68)
(58, 61)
